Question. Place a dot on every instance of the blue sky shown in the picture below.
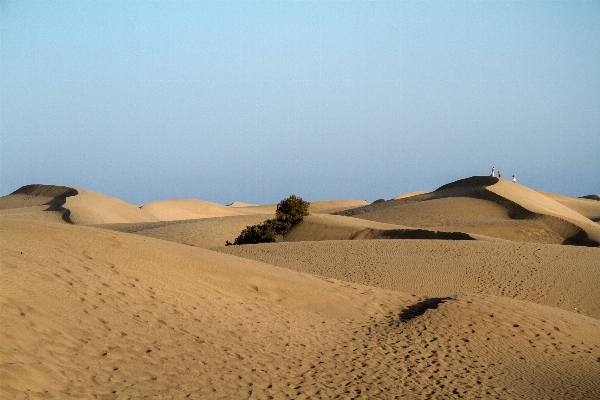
(256, 100)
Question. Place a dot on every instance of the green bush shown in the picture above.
(289, 212)
(261, 233)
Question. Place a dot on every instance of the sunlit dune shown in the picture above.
(480, 289)
(72, 205)
(490, 207)
(588, 207)
(409, 194)
(169, 210)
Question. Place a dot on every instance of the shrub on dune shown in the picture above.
(289, 212)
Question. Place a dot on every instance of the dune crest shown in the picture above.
(490, 207)
(73, 205)
(237, 204)
(320, 227)
(409, 194)
(587, 207)
(37, 202)
(576, 228)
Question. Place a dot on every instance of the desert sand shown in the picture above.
(480, 289)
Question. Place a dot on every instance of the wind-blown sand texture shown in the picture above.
(566, 277)
(140, 305)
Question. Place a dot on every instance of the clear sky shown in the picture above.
(255, 100)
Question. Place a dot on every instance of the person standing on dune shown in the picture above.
(493, 171)
(499, 175)
(514, 179)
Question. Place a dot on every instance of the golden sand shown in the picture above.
(483, 289)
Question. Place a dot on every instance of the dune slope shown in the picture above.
(566, 277)
(37, 202)
(588, 207)
(335, 227)
(491, 207)
(90, 312)
(71, 205)
(207, 232)
(171, 210)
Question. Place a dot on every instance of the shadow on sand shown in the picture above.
(419, 308)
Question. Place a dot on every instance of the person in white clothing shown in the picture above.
(493, 171)
(514, 179)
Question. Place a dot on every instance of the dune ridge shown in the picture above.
(335, 227)
(525, 214)
(586, 206)
(31, 200)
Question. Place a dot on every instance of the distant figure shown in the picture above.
(514, 179)
(493, 171)
(499, 175)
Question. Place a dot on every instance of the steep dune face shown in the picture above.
(333, 227)
(93, 312)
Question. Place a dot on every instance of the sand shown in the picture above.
(565, 277)
(100, 298)
(172, 210)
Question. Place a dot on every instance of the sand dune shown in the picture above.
(409, 194)
(150, 303)
(170, 210)
(563, 219)
(72, 205)
(566, 277)
(37, 202)
(588, 207)
(89, 208)
(335, 227)
(205, 233)
(331, 206)
(316, 207)
(89, 311)
(491, 207)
